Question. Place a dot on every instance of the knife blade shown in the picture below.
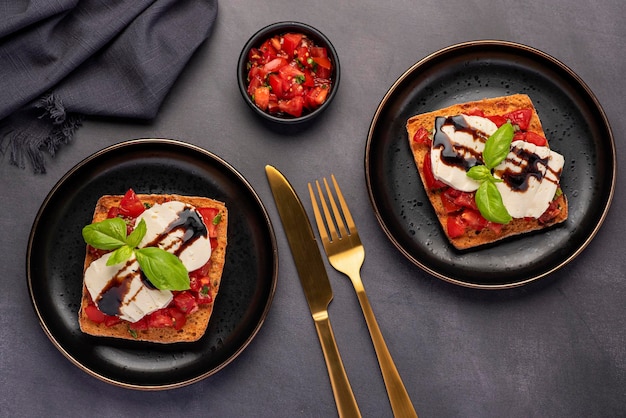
(315, 284)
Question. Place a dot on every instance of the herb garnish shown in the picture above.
(164, 270)
(488, 197)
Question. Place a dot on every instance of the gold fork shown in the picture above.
(346, 254)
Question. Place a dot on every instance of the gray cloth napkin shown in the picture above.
(62, 60)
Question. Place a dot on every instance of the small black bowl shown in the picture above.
(281, 28)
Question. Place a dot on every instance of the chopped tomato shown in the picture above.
(262, 97)
(94, 314)
(448, 204)
(473, 219)
(291, 42)
(498, 120)
(520, 117)
(160, 319)
(431, 181)
(293, 106)
(475, 112)
(209, 215)
(422, 136)
(455, 226)
(142, 324)
(179, 319)
(275, 64)
(316, 96)
(185, 302)
(201, 272)
(113, 212)
(466, 200)
(296, 71)
(130, 205)
(552, 212)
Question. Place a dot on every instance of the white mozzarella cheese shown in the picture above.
(533, 200)
(467, 146)
(138, 301)
(158, 218)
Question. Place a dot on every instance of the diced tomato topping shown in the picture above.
(475, 112)
(316, 96)
(520, 117)
(466, 200)
(448, 204)
(130, 205)
(209, 215)
(422, 136)
(431, 181)
(185, 302)
(473, 219)
(94, 314)
(160, 319)
(297, 72)
(293, 106)
(110, 320)
(179, 318)
(262, 97)
(552, 212)
(498, 120)
(291, 42)
(140, 325)
(455, 226)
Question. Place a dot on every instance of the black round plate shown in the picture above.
(575, 125)
(56, 253)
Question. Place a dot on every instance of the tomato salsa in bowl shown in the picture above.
(288, 72)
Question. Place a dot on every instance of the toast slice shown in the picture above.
(196, 322)
(489, 107)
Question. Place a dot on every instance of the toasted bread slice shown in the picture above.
(490, 107)
(197, 322)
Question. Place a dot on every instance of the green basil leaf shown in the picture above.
(137, 235)
(489, 202)
(121, 254)
(498, 145)
(164, 270)
(479, 173)
(109, 234)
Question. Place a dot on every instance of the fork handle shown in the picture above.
(344, 397)
(401, 404)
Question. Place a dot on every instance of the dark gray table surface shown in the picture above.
(555, 348)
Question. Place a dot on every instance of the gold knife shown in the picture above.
(315, 283)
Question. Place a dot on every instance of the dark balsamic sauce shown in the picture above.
(456, 155)
(529, 164)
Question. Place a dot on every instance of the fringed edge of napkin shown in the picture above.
(39, 132)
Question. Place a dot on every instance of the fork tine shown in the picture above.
(318, 216)
(329, 219)
(338, 217)
(344, 207)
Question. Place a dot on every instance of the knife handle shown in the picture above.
(344, 398)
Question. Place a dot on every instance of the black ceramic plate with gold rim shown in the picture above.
(576, 127)
(56, 253)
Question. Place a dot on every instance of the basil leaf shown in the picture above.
(137, 235)
(109, 234)
(164, 270)
(121, 254)
(489, 202)
(479, 173)
(498, 145)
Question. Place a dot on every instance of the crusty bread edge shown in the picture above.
(197, 323)
(490, 106)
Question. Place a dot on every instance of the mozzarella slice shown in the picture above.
(158, 219)
(467, 140)
(119, 290)
(531, 177)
